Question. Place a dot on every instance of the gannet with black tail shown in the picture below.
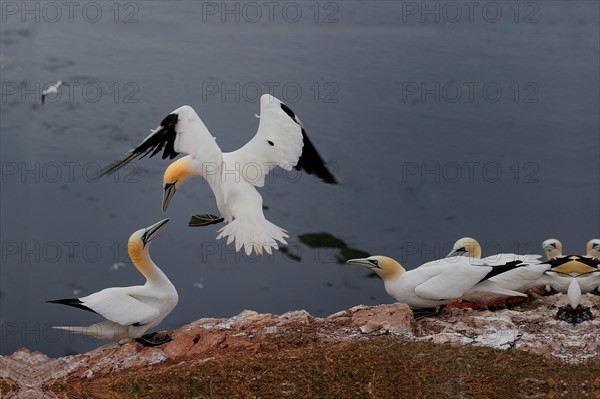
(51, 89)
(233, 176)
(131, 311)
(451, 279)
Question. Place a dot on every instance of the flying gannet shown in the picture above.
(449, 280)
(131, 311)
(586, 269)
(51, 89)
(233, 176)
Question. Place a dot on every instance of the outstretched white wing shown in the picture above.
(180, 131)
(278, 142)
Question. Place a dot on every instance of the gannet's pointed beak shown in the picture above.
(168, 194)
(151, 231)
(364, 262)
(457, 252)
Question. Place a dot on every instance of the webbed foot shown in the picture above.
(419, 313)
(204, 220)
(154, 339)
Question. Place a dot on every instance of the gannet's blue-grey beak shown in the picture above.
(151, 231)
(168, 194)
(364, 262)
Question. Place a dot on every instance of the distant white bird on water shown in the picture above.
(233, 176)
(449, 280)
(131, 311)
(51, 89)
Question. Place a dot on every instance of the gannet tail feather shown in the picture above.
(493, 289)
(253, 236)
(103, 330)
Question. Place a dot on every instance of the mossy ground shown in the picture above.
(382, 367)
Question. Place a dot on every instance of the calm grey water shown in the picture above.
(441, 121)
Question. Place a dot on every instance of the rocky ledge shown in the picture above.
(529, 326)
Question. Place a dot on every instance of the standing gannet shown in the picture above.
(131, 311)
(466, 246)
(233, 176)
(51, 89)
(451, 279)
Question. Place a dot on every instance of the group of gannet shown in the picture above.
(464, 275)
(233, 177)
(281, 140)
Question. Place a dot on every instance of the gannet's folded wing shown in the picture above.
(121, 306)
(502, 259)
(180, 131)
(452, 282)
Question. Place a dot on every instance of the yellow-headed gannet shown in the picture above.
(552, 248)
(131, 311)
(466, 246)
(449, 280)
(233, 176)
(51, 89)
(592, 248)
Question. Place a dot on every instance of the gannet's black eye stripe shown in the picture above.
(374, 261)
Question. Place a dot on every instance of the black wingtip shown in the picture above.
(170, 119)
(74, 302)
(162, 139)
(311, 162)
(289, 112)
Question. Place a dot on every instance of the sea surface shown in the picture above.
(441, 120)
